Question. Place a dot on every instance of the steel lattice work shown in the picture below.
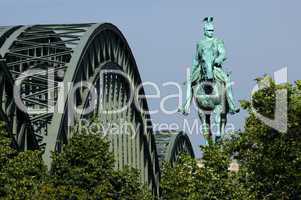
(170, 144)
(45, 59)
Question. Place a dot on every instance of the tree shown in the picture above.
(179, 181)
(270, 160)
(20, 173)
(85, 170)
(212, 180)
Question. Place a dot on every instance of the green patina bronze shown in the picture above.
(209, 83)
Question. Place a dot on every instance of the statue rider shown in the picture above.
(213, 47)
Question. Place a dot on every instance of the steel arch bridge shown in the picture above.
(40, 62)
(170, 144)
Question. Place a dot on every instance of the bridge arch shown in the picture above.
(73, 54)
(171, 144)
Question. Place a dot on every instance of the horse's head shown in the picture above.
(207, 65)
(207, 72)
(208, 91)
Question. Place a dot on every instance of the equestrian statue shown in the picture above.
(210, 85)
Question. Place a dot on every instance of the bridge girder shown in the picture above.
(74, 54)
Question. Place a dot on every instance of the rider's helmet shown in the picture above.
(208, 27)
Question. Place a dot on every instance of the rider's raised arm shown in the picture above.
(221, 53)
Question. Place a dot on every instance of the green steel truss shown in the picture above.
(76, 53)
(170, 144)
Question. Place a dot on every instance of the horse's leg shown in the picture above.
(217, 122)
(227, 91)
(189, 96)
(208, 123)
(205, 126)
(223, 123)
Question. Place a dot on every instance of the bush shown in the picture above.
(84, 170)
(212, 180)
(20, 173)
(271, 160)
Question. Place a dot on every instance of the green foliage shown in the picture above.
(189, 181)
(20, 173)
(83, 170)
(6, 152)
(179, 182)
(126, 185)
(271, 160)
(270, 164)
(214, 180)
(83, 167)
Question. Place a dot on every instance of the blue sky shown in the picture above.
(260, 36)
